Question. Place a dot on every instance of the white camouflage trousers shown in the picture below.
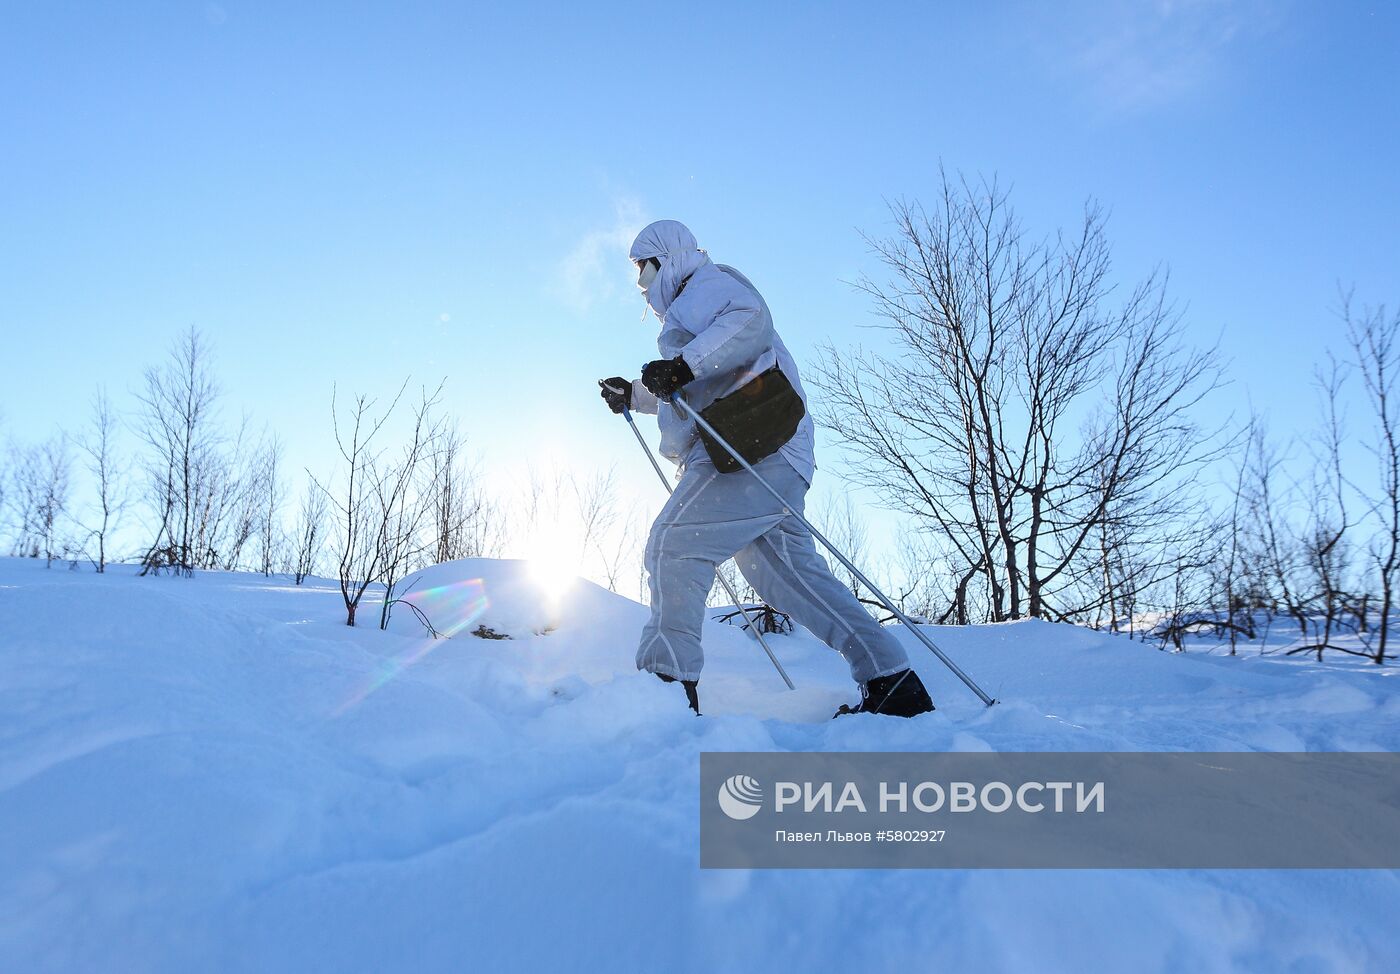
(714, 516)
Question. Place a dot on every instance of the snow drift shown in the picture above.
(216, 774)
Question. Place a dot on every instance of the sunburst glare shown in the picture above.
(448, 609)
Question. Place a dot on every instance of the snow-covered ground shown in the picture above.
(215, 774)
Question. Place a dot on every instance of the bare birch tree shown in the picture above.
(266, 495)
(107, 471)
(309, 533)
(41, 481)
(595, 504)
(378, 508)
(55, 472)
(618, 552)
(230, 501)
(177, 421)
(404, 502)
(22, 485)
(457, 498)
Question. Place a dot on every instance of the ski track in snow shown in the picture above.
(216, 773)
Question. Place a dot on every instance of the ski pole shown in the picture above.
(729, 589)
(700, 421)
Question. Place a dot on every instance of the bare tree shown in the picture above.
(1375, 341)
(1187, 592)
(918, 565)
(1324, 546)
(267, 492)
(485, 536)
(595, 502)
(841, 522)
(1001, 345)
(618, 551)
(107, 471)
(40, 479)
(539, 502)
(921, 565)
(460, 504)
(404, 502)
(719, 598)
(608, 535)
(378, 509)
(1232, 572)
(46, 481)
(571, 515)
(56, 466)
(1269, 512)
(309, 534)
(23, 487)
(230, 511)
(177, 421)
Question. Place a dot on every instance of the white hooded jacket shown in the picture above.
(714, 318)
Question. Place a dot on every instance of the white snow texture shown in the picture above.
(216, 774)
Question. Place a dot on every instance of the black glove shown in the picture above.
(664, 376)
(617, 393)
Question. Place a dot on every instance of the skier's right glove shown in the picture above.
(617, 393)
(664, 376)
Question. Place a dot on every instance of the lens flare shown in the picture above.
(448, 609)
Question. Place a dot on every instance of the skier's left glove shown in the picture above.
(664, 376)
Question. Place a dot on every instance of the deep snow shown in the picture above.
(216, 774)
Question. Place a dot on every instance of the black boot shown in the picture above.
(692, 693)
(900, 694)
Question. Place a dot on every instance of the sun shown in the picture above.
(552, 566)
(551, 574)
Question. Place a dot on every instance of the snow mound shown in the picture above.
(503, 599)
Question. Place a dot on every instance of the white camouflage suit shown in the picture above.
(718, 322)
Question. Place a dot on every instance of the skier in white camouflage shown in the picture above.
(720, 352)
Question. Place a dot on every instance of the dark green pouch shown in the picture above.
(756, 420)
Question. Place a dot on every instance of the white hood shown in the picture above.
(674, 246)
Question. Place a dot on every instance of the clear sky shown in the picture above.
(357, 192)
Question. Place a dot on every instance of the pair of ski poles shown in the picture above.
(690, 411)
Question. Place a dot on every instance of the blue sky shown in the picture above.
(358, 192)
